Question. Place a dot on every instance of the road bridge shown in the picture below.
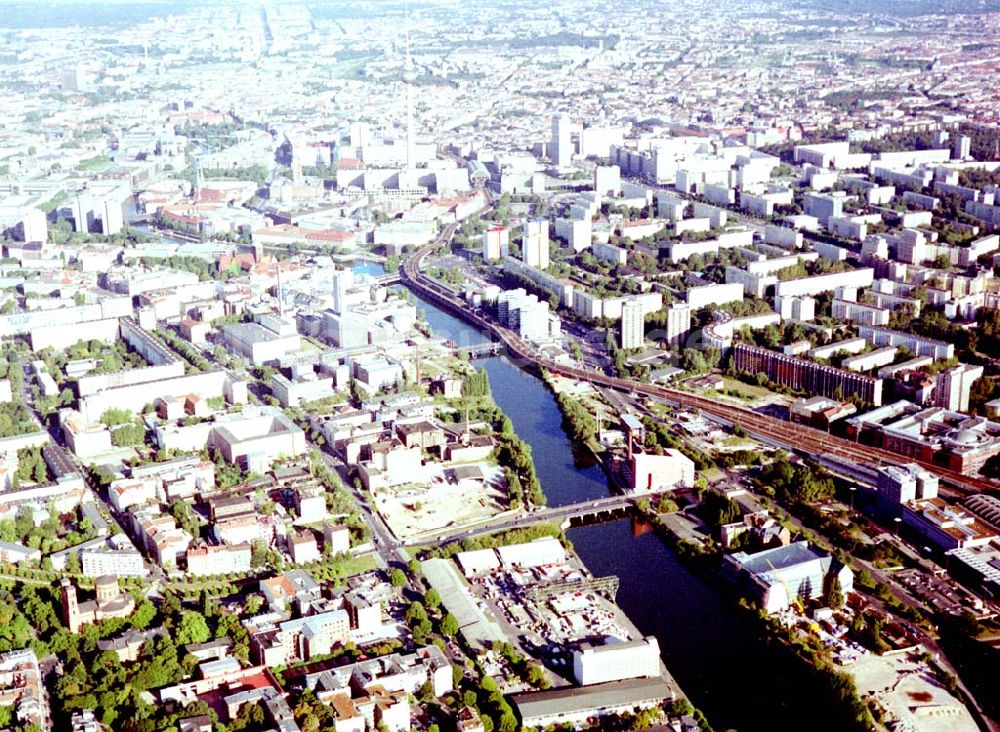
(599, 509)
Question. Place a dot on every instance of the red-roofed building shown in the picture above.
(287, 234)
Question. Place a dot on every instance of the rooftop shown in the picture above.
(576, 699)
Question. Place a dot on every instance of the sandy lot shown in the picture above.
(910, 693)
(435, 503)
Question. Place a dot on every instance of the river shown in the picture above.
(737, 680)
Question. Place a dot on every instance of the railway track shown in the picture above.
(799, 437)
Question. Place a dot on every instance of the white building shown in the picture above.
(899, 484)
(651, 472)
(218, 559)
(561, 146)
(535, 244)
(616, 660)
(706, 295)
(678, 324)
(496, 242)
(954, 385)
(607, 180)
(633, 330)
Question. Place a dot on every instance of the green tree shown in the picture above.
(433, 599)
(192, 629)
(834, 596)
(144, 613)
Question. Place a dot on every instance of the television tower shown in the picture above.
(408, 77)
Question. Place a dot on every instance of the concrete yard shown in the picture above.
(909, 693)
(436, 501)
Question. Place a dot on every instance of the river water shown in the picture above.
(731, 675)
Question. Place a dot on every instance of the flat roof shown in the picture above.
(576, 699)
(781, 557)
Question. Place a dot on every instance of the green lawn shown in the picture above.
(746, 390)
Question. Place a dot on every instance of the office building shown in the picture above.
(899, 484)
(954, 385)
(258, 343)
(615, 660)
(301, 638)
(633, 326)
(535, 244)
(607, 180)
(979, 566)
(946, 525)
(561, 145)
(342, 281)
(495, 243)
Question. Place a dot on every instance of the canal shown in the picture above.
(735, 678)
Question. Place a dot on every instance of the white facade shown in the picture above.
(954, 386)
(632, 325)
(561, 146)
(495, 243)
(672, 469)
(535, 244)
(616, 661)
(706, 295)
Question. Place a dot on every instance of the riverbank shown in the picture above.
(716, 655)
(813, 659)
(580, 424)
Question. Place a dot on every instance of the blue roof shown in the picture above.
(781, 557)
(632, 422)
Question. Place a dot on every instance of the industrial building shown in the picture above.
(774, 578)
(576, 705)
(615, 660)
